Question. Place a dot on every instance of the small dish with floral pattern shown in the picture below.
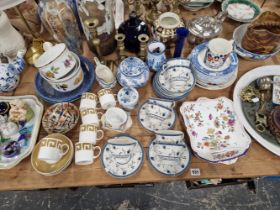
(216, 135)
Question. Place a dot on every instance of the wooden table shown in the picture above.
(258, 161)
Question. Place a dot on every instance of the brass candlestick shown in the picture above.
(154, 13)
(120, 45)
(143, 39)
(92, 24)
(147, 5)
(138, 8)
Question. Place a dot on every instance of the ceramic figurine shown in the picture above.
(103, 12)
(9, 72)
(204, 28)
(20, 111)
(133, 72)
(182, 33)
(10, 39)
(132, 28)
(156, 55)
(58, 18)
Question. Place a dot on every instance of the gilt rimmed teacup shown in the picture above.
(89, 133)
(84, 153)
(88, 100)
(106, 98)
(91, 116)
(52, 150)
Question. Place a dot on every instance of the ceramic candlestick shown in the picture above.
(120, 45)
(143, 39)
(181, 33)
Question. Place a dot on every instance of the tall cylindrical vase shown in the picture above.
(181, 33)
(11, 40)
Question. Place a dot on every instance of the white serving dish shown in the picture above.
(244, 81)
(37, 107)
(216, 135)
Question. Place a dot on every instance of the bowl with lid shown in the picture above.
(133, 72)
(56, 62)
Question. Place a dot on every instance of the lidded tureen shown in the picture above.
(204, 28)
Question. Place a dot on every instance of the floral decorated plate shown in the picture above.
(28, 132)
(169, 159)
(216, 134)
(265, 140)
(122, 156)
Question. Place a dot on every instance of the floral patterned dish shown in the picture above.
(26, 137)
(122, 156)
(216, 134)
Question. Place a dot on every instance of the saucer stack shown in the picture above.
(174, 81)
(51, 169)
(209, 78)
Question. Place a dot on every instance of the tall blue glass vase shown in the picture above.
(181, 33)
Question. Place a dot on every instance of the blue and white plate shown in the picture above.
(122, 156)
(148, 123)
(46, 92)
(238, 34)
(169, 159)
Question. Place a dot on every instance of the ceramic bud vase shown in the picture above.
(11, 40)
(102, 11)
(58, 18)
(156, 55)
(181, 33)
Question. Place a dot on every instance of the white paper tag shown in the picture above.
(195, 171)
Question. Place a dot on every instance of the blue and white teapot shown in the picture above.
(9, 71)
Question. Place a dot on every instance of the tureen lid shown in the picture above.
(132, 67)
(50, 54)
(206, 26)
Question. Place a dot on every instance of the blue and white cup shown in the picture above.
(128, 97)
(218, 52)
(156, 55)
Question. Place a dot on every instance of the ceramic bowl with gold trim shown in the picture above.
(47, 169)
(60, 118)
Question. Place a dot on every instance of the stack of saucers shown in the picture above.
(210, 78)
(175, 80)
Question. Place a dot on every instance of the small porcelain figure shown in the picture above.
(9, 72)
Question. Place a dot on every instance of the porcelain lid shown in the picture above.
(132, 67)
(51, 53)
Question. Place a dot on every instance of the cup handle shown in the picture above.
(100, 135)
(96, 156)
(66, 150)
(164, 66)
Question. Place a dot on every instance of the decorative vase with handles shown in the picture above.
(11, 40)
(9, 71)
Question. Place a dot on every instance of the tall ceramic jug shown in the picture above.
(11, 40)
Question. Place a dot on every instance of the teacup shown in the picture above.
(158, 111)
(84, 154)
(217, 52)
(163, 102)
(169, 153)
(52, 150)
(91, 116)
(115, 118)
(88, 100)
(170, 136)
(106, 98)
(90, 134)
